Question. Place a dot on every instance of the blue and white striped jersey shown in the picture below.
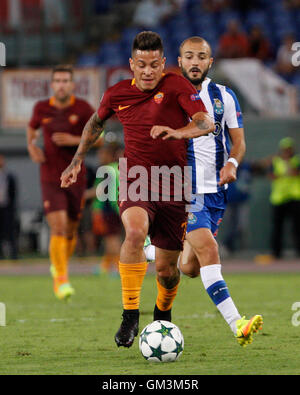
(208, 154)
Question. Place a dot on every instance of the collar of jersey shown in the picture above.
(205, 82)
(52, 101)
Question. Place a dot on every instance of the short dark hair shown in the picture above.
(147, 41)
(66, 68)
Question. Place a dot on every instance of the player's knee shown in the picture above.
(208, 252)
(167, 273)
(135, 236)
(189, 270)
(194, 274)
(189, 266)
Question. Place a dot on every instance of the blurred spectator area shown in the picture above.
(100, 32)
(45, 32)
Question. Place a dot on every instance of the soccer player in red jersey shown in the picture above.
(62, 119)
(154, 109)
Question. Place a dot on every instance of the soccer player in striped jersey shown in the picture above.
(214, 164)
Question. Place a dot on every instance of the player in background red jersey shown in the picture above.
(154, 110)
(61, 119)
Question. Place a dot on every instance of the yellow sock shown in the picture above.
(71, 246)
(165, 297)
(132, 276)
(58, 251)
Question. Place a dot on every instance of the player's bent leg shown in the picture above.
(217, 289)
(136, 225)
(204, 245)
(188, 261)
(206, 249)
(168, 278)
(132, 268)
(58, 252)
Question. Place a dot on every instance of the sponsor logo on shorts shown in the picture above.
(192, 219)
(158, 98)
(184, 226)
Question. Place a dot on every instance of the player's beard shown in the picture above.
(62, 97)
(195, 81)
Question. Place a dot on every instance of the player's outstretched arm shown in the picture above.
(90, 134)
(201, 125)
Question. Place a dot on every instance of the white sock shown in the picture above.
(217, 289)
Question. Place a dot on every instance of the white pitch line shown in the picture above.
(22, 321)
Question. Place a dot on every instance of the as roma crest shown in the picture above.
(73, 119)
(158, 98)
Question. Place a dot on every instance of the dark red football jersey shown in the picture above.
(171, 103)
(51, 119)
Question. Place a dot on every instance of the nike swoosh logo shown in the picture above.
(123, 107)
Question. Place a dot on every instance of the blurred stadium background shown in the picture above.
(95, 36)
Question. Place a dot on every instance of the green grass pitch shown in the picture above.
(46, 336)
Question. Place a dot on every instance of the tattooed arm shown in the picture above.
(90, 135)
(200, 125)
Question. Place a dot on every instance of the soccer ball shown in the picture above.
(161, 341)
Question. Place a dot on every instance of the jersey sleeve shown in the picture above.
(35, 121)
(233, 113)
(189, 98)
(105, 110)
